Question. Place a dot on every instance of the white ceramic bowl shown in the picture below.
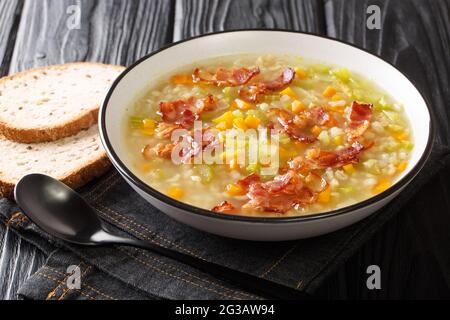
(138, 77)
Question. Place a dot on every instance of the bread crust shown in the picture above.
(51, 133)
(75, 179)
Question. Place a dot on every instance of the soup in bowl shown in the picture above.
(265, 142)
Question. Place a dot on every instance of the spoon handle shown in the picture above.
(248, 282)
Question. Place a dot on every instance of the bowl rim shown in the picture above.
(125, 171)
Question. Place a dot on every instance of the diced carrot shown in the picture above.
(336, 97)
(402, 166)
(297, 106)
(382, 185)
(175, 192)
(234, 189)
(226, 118)
(181, 79)
(148, 131)
(146, 167)
(329, 92)
(337, 140)
(349, 168)
(289, 92)
(300, 73)
(252, 121)
(325, 195)
(401, 136)
(149, 123)
(239, 123)
(316, 130)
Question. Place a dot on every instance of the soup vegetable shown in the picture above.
(338, 138)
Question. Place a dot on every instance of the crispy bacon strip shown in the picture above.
(253, 92)
(246, 182)
(358, 120)
(224, 207)
(284, 192)
(161, 150)
(185, 112)
(309, 118)
(320, 159)
(223, 77)
(297, 126)
(165, 129)
(190, 146)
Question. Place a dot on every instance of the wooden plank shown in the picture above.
(414, 35)
(117, 32)
(13, 252)
(194, 17)
(412, 249)
(9, 22)
(18, 260)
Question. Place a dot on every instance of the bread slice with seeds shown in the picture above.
(53, 102)
(73, 160)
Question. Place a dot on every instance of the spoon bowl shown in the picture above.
(58, 209)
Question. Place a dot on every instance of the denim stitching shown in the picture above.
(61, 282)
(132, 222)
(52, 293)
(85, 285)
(65, 290)
(194, 276)
(18, 218)
(277, 262)
(178, 277)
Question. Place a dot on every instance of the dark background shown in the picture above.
(412, 249)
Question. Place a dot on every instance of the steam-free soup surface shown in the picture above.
(341, 139)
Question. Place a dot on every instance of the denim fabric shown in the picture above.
(128, 273)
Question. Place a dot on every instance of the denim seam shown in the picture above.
(85, 285)
(114, 177)
(128, 227)
(65, 290)
(61, 282)
(194, 276)
(277, 262)
(18, 218)
(52, 292)
(178, 277)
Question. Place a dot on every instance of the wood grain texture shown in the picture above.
(18, 260)
(412, 249)
(194, 17)
(117, 32)
(415, 36)
(9, 21)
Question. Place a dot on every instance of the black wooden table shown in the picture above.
(412, 250)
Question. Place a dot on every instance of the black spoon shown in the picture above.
(63, 213)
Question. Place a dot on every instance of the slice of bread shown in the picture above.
(53, 102)
(73, 160)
